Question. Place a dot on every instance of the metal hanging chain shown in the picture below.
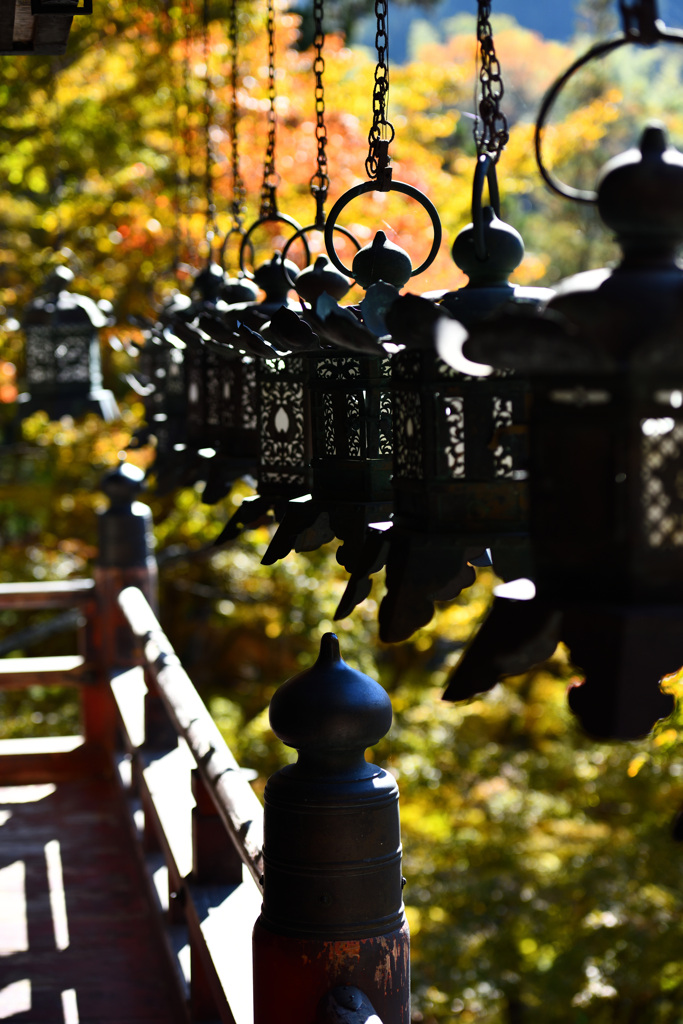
(382, 131)
(211, 223)
(491, 131)
(271, 178)
(239, 192)
(186, 177)
(320, 181)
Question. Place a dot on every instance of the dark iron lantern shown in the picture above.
(348, 386)
(460, 461)
(606, 445)
(62, 352)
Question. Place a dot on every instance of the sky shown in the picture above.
(554, 19)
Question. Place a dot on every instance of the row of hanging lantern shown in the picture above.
(433, 434)
(566, 404)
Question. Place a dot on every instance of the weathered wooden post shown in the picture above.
(333, 912)
(125, 559)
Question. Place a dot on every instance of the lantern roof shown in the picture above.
(52, 301)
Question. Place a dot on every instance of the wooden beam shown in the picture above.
(62, 670)
(235, 800)
(51, 33)
(27, 596)
(50, 759)
(7, 9)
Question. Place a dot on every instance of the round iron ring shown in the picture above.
(281, 218)
(372, 186)
(304, 231)
(580, 195)
(240, 232)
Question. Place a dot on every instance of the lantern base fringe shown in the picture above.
(623, 651)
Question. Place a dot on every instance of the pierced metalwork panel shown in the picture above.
(328, 426)
(60, 354)
(386, 424)
(195, 390)
(230, 393)
(214, 371)
(175, 379)
(408, 434)
(662, 481)
(291, 368)
(282, 430)
(338, 368)
(249, 395)
(451, 409)
(503, 456)
(355, 409)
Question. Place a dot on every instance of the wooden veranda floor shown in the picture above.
(80, 941)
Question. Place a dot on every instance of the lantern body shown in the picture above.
(62, 352)
(460, 462)
(606, 486)
(607, 482)
(351, 425)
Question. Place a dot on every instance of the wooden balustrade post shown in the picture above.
(215, 861)
(333, 910)
(124, 559)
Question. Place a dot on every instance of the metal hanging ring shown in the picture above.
(373, 186)
(484, 171)
(240, 233)
(579, 195)
(281, 218)
(304, 231)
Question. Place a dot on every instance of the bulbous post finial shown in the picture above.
(331, 714)
(125, 528)
(122, 485)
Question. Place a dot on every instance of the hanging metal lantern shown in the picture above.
(348, 387)
(62, 352)
(460, 460)
(607, 437)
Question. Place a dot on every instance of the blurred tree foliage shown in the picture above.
(543, 882)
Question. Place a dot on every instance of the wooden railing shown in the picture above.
(199, 824)
(202, 825)
(198, 821)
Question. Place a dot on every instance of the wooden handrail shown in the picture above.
(53, 594)
(235, 800)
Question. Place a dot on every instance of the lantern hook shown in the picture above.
(374, 186)
(484, 171)
(641, 26)
(640, 20)
(271, 218)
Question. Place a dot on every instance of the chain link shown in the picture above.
(491, 127)
(320, 180)
(239, 192)
(382, 131)
(271, 179)
(211, 224)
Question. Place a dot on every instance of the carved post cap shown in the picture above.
(122, 485)
(125, 528)
(331, 713)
